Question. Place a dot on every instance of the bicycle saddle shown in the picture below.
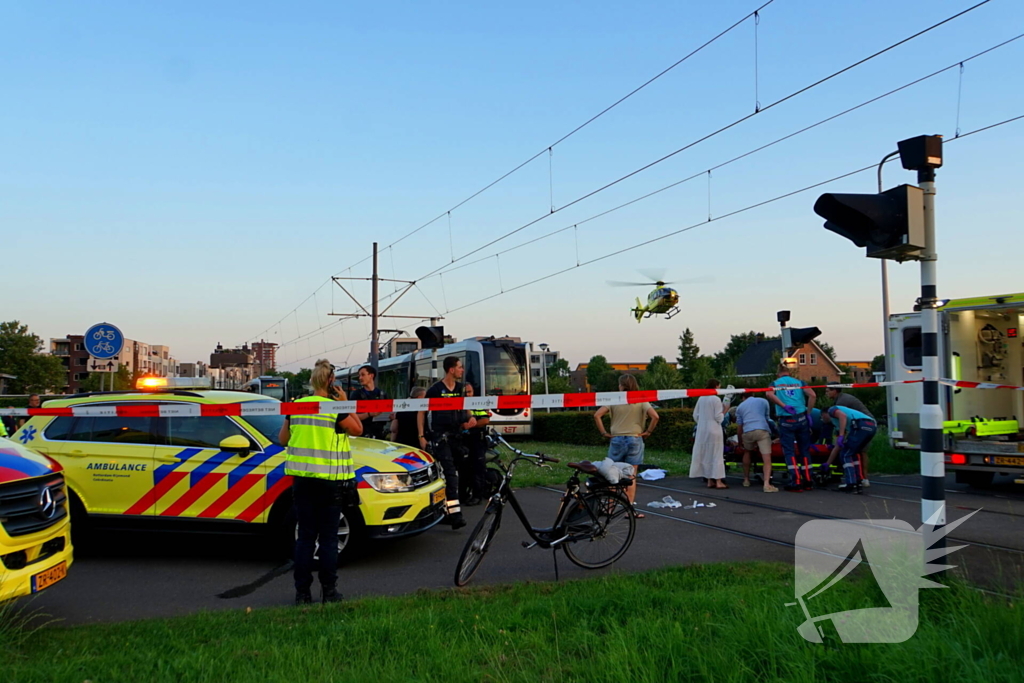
(586, 467)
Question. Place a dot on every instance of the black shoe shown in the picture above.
(849, 488)
(457, 521)
(793, 488)
(330, 595)
(303, 598)
(808, 486)
(473, 502)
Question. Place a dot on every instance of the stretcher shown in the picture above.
(818, 456)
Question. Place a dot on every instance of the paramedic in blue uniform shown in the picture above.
(794, 401)
(855, 429)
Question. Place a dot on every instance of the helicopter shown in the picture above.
(662, 300)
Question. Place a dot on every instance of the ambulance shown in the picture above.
(146, 459)
(35, 536)
(979, 341)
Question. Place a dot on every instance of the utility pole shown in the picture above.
(885, 285)
(374, 312)
(374, 332)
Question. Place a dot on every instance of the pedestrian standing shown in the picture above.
(33, 402)
(445, 427)
(708, 459)
(754, 432)
(793, 401)
(475, 440)
(626, 432)
(407, 427)
(856, 429)
(319, 459)
(369, 391)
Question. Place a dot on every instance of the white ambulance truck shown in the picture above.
(979, 341)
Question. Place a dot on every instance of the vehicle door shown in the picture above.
(107, 460)
(209, 468)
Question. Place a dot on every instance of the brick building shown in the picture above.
(264, 356)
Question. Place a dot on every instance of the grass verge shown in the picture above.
(724, 622)
(675, 462)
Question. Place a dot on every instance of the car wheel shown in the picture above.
(351, 534)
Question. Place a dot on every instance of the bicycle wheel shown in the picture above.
(478, 543)
(603, 524)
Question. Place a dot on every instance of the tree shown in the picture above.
(20, 355)
(299, 381)
(123, 380)
(600, 375)
(660, 375)
(559, 369)
(827, 349)
(686, 357)
(878, 363)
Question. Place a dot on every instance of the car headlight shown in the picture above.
(390, 482)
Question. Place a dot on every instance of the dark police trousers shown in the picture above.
(442, 452)
(318, 511)
(473, 473)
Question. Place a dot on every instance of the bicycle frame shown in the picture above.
(545, 537)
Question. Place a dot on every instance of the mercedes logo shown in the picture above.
(47, 508)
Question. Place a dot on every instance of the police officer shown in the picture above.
(476, 460)
(445, 426)
(319, 458)
(793, 401)
(368, 391)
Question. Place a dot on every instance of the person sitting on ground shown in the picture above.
(627, 432)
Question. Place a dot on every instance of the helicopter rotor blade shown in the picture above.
(617, 283)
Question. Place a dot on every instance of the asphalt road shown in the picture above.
(132, 575)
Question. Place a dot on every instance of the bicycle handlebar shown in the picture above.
(540, 457)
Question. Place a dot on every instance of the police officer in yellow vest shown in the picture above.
(319, 458)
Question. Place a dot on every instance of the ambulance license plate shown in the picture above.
(437, 496)
(1010, 461)
(49, 577)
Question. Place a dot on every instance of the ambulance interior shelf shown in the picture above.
(988, 337)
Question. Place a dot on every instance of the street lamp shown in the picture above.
(544, 367)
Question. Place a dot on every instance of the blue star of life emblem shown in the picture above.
(28, 434)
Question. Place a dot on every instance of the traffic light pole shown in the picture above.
(933, 468)
(885, 286)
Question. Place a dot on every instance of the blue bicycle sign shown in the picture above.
(103, 341)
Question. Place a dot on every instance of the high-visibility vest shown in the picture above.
(480, 413)
(315, 449)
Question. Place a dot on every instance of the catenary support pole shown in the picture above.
(374, 327)
(933, 468)
(433, 358)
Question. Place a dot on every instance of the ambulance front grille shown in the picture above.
(25, 507)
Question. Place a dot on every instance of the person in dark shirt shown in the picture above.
(445, 426)
(474, 473)
(368, 391)
(407, 427)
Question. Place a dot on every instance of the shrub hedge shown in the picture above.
(675, 428)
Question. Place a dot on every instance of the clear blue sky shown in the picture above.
(193, 171)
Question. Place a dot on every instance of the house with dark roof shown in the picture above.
(813, 365)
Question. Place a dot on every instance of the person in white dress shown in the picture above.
(709, 445)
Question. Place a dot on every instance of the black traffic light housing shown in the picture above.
(793, 337)
(888, 225)
(921, 153)
(430, 337)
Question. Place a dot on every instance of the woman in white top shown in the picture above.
(709, 445)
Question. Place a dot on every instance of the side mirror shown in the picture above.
(236, 443)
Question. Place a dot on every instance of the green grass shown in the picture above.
(701, 623)
(676, 462)
(883, 459)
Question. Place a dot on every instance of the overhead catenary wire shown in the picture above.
(712, 134)
(739, 157)
(548, 148)
(688, 228)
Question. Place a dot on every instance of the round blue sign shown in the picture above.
(103, 341)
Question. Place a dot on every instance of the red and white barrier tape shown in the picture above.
(267, 407)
